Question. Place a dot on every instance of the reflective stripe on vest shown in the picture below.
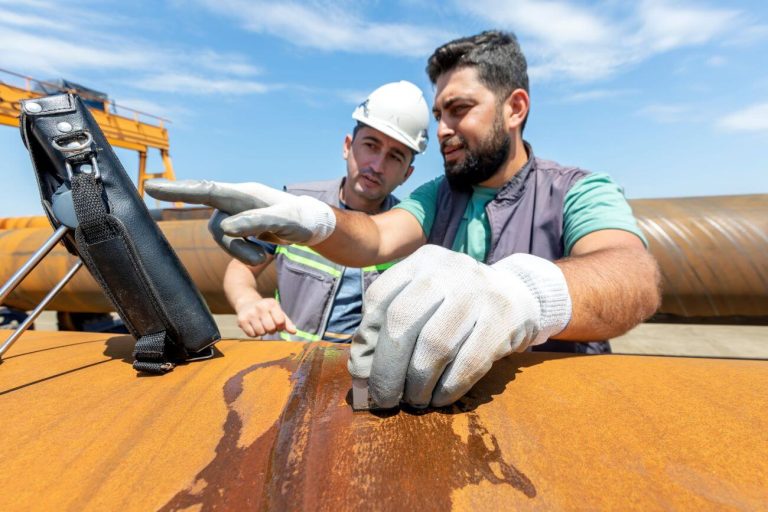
(308, 299)
(305, 336)
(308, 257)
(381, 267)
(315, 260)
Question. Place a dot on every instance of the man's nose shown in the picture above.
(376, 162)
(443, 130)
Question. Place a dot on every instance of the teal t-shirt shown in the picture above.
(593, 203)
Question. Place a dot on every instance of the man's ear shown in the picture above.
(347, 147)
(407, 174)
(516, 109)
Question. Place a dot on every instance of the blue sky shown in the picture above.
(670, 98)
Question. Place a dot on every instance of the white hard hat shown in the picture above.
(397, 109)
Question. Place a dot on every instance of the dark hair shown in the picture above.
(500, 62)
(357, 129)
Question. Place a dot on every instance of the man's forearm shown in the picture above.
(240, 283)
(612, 290)
(360, 240)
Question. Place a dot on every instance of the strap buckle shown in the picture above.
(73, 146)
(70, 146)
(94, 168)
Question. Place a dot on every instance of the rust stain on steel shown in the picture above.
(308, 460)
(235, 476)
(315, 457)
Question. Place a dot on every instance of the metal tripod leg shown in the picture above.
(23, 272)
(32, 262)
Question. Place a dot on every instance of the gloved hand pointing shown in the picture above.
(251, 209)
(434, 323)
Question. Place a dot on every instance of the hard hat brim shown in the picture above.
(389, 131)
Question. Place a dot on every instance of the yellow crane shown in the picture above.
(121, 131)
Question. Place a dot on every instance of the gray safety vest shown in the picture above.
(526, 216)
(306, 281)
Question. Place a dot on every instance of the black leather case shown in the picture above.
(115, 237)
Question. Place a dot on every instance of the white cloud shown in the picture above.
(665, 25)
(329, 27)
(753, 118)
(54, 52)
(595, 94)
(564, 40)
(52, 55)
(748, 35)
(554, 23)
(127, 105)
(30, 3)
(353, 97)
(669, 113)
(198, 84)
(30, 20)
(225, 64)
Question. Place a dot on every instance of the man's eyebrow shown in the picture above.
(372, 138)
(377, 140)
(447, 103)
(399, 152)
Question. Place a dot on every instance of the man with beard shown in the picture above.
(506, 251)
(316, 298)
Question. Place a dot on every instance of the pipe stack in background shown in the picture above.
(713, 254)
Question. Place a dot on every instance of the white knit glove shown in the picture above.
(434, 323)
(251, 209)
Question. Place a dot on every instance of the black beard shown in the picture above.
(480, 164)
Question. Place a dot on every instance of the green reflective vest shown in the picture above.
(306, 281)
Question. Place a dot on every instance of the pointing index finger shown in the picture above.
(227, 197)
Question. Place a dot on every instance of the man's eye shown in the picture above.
(460, 110)
(437, 116)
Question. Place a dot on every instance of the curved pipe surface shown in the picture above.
(713, 255)
(204, 261)
(267, 426)
(712, 251)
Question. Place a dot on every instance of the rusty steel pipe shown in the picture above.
(713, 254)
(204, 260)
(32, 262)
(24, 222)
(28, 322)
(268, 426)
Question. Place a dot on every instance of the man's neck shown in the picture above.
(518, 157)
(357, 203)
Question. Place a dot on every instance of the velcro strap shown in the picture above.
(90, 209)
(150, 354)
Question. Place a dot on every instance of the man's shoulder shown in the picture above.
(427, 191)
(435, 184)
(551, 170)
(550, 166)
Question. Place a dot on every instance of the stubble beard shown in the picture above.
(481, 163)
(371, 195)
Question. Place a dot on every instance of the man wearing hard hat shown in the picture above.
(316, 298)
(502, 253)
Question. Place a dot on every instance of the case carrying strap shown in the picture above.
(152, 351)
